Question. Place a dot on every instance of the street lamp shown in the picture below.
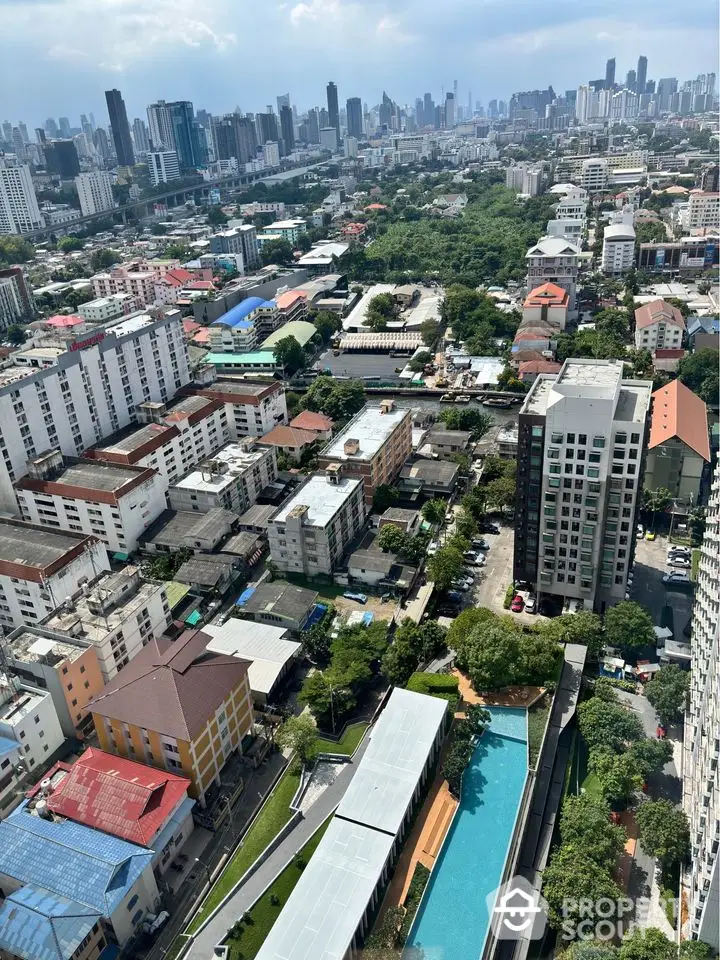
(205, 867)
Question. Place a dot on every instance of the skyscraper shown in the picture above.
(666, 87)
(162, 135)
(333, 111)
(631, 80)
(140, 135)
(64, 126)
(354, 117)
(282, 101)
(641, 76)
(266, 128)
(287, 127)
(313, 126)
(610, 74)
(19, 210)
(449, 110)
(428, 110)
(701, 796)
(186, 137)
(100, 139)
(51, 127)
(61, 158)
(120, 128)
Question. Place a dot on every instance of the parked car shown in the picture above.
(676, 577)
(480, 543)
(678, 561)
(531, 605)
(468, 575)
(454, 596)
(460, 585)
(450, 516)
(357, 597)
(640, 531)
(433, 548)
(679, 552)
(518, 604)
(487, 527)
(650, 535)
(474, 559)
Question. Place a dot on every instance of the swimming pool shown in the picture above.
(453, 921)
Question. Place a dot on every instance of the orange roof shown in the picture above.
(282, 436)
(539, 366)
(678, 412)
(548, 293)
(656, 311)
(309, 420)
(202, 336)
(289, 298)
(376, 206)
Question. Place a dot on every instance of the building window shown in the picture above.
(599, 442)
(131, 902)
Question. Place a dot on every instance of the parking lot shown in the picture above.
(649, 590)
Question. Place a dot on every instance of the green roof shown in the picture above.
(175, 592)
(253, 359)
(300, 329)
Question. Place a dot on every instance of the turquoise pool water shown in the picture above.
(453, 921)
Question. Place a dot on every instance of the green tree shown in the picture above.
(444, 566)
(538, 657)
(650, 231)
(584, 627)
(664, 832)
(465, 525)
(501, 493)
(475, 421)
(391, 539)
(629, 626)
(573, 878)
(380, 310)
(699, 372)
(337, 399)
(216, 218)
(299, 734)
(650, 755)
(399, 662)
(608, 725)
(327, 324)
(177, 251)
(15, 334)
(656, 500)
(463, 626)
(15, 250)
(385, 496)
(585, 824)
(491, 658)
(102, 259)
(433, 640)
(429, 331)
(650, 944)
(289, 355)
(433, 511)
(617, 774)
(420, 361)
(589, 950)
(667, 692)
(68, 244)
(277, 251)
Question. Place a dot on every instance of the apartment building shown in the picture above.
(29, 718)
(312, 531)
(87, 391)
(233, 479)
(242, 327)
(252, 408)
(701, 785)
(582, 436)
(171, 440)
(291, 305)
(104, 309)
(658, 326)
(163, 166)
(290, 230)
(19, 210)
(40, 567)
(525, 178)
(119, 613)
(573, 206)
(555, 260)
(546, 304)
(10, 773)
(250, 248)
(679, 444)
(618, 250)
(114, 503)
(595, 175)
(94, 192)
(373, 446)
(703, 211)
(16, 298)
(151, 712)
(64, 666)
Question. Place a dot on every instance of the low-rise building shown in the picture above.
(200, 532)
(177, 707)
(311, 531)
(108, 308)
(703, 211)
(207, 576)
(129, 800)
(289, 230)
(17, 303)
(409, 521)
(618, 250)
(66, 667)
(555, 260)
(40, 567)
(430, 478)
(292, 305)
(447, 443)
(233, 479)
(240, 329)
(118, 614)
(658, 325)
(28, 716)
(112, 502)
(272, 656)
(317, 423)
(291, 441)
(679, 444)
(252, 408)
(279, 604)
(373, 446)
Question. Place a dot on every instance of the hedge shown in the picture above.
(443, 685)
(509, 594)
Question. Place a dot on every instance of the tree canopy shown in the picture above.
(605, 724)
(289, 355)
(664, 831)
(102, 259)
(337, 399)
(380, 310)
(629, 626)
(277, 251)
(699, 372)
(15, 250)
(667, 692)
(299, 734)
(444, 566)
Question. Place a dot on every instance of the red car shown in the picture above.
(518, 604)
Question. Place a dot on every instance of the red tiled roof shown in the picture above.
(202, 336)
(539, 366)
(656, 311)
(118, 796)
(669, 354)
(548, 293)
(200, 285)
(58, 320)
(309, 420)
(189, 326)
(678, 412)
(282, 436)
(288, 298)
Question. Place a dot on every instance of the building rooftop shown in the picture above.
(554, 247)
(619, 231)
(122, 328)
(35, 645)
(255, 358)
(656, 311)
(90, 475)
(309, 420)
(69, 859)
(238, 315)
(301, 330)
(547, 294)
(287, 436)
(679, 413)
(171, 686)
(372, 560)
(321, 498)
(41, 548)
(399, 515)
(600, 374)
(186, 529)
(371, 427)
(286, 300)
(24, 701)
(239, 391)
(257, 516)
(38, 925)
(280, 599)
(264, 647)
(205, 570)
(235, 459)
(134, 443)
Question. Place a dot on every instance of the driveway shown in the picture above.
(491, 581)
(649, 590)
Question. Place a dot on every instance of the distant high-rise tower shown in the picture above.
(313, 126)
(287, 126)
(51, 127)
(64, 126)
(333, 111)
(631, 80)
(449, 110)
(140, 136)
(353, 108)
(641, 76)
(610, 74)
(120, 128)
(428, 110)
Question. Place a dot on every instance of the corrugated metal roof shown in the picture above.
(38, 925)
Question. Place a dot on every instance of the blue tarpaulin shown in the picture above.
(316, 615)
(244, 597)
(367, 618)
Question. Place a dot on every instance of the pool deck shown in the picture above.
(507, 697)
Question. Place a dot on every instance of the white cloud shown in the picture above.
(316, 10)
(389, 27)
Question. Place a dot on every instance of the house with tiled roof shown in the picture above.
(66, 878)
(547, 303)
(292, 441)
(129, 800)
(529, 370)
(658, 325)
(318, 423)
(679, 444)
(177, 707)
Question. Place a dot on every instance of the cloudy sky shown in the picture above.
(60, 55)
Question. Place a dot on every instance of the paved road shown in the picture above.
(216, 930)
(649, 590)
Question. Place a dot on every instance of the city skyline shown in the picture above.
(169, 54)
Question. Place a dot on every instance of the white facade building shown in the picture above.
(95, 192)
(595, 175)
(252, 409)
(19, 210)
(659, 325)
(28, 716)
(555, 260)
(525, 178)
(271, 154)
(87, 392)
(701, 783)
(580, 450)
(103, 309)
(573, 206)
(40, 567)
(233, 479)
(163, 166)
(119, 614)
(703, 212)
(311, 532)
(113, 503)
(618, 251)
(328, 139)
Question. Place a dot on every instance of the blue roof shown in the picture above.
(38, 925)
(244, 597)
(7, 744)
(69, 859)
(171, 827)
(706, 324)
(237, 316)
